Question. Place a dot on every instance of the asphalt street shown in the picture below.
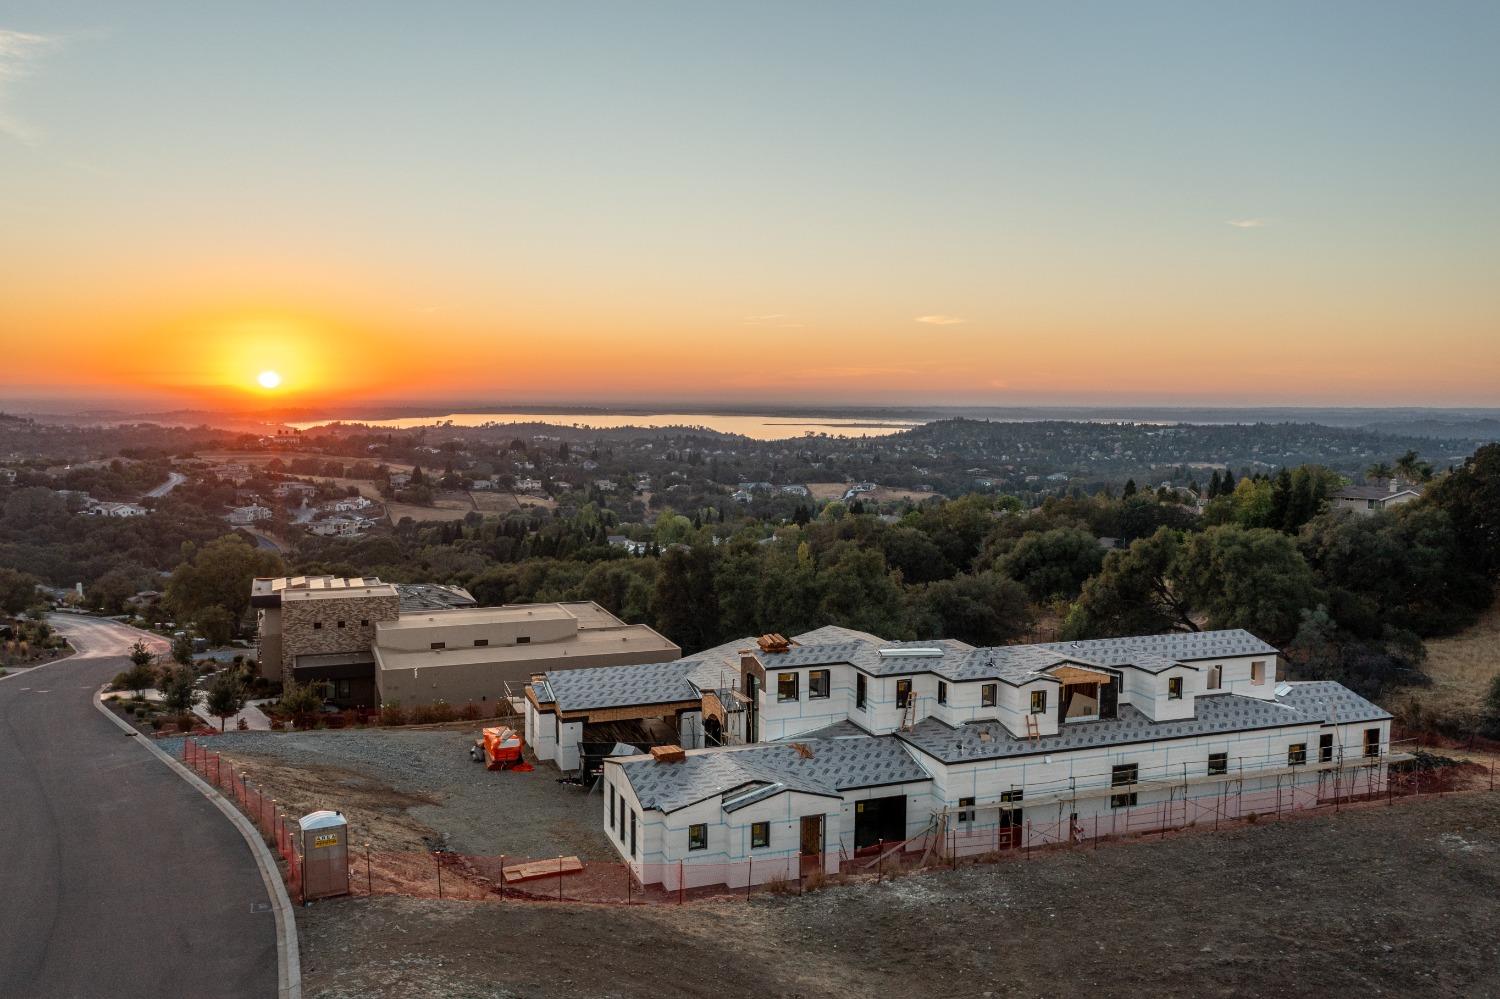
(117, 878)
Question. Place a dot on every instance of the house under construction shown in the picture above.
(825, 746)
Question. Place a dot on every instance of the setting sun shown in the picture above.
(268, 379)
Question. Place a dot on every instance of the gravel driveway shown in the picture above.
(476, 812)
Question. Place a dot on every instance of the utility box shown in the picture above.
(325, 854)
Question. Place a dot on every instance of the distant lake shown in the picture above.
(758, 427)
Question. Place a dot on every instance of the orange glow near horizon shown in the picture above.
(226, 362)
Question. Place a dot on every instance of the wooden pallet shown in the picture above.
(541, 869)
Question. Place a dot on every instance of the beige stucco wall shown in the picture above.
(460, 683)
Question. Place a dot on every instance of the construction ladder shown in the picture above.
(1033, 731)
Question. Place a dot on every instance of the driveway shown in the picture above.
(119, 878)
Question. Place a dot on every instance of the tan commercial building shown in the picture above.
(373, 642)
(470, 655)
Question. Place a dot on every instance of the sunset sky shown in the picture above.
(716, 203)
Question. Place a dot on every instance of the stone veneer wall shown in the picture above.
(300, 638)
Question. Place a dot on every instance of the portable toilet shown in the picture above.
(325, 854)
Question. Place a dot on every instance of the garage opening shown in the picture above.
(879, 819)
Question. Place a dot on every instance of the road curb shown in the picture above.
(288, 961)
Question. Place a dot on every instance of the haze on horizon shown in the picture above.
(773, 203)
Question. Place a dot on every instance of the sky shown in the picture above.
(750, 203)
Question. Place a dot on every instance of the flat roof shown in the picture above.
(511, 613)
(632, 639)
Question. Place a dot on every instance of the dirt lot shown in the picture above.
(411, 790)
(447, 506)
(1371, 902)
(505, 502)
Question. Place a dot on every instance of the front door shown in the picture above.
(812, 842)
(1011, 829)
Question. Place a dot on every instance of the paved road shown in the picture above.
(174, 479)
(116, 877)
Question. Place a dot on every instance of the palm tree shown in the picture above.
(1379, 470)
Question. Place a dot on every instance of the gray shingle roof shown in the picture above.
(1317, 702)
(834, 765)
(1156, 652)
(619, 686)
(718, 668)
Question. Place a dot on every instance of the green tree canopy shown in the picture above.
(1053, 564)
(219, 575)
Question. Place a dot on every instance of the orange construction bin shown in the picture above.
(502, 749)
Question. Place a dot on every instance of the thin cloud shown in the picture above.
(20, 51)
(941, 320)
(780, 320)
(1246, 223)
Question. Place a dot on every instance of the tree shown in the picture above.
(858, 590)
(140, 655)
(1135, 593)
(1379, 470)
(214, 624)
(137, 678)
(182, 649)
(178, 688)
(302, 701)
(1471, 497)
(1412, 468)
(1402, 568)
(1053, 564)
(685, 603)
(984, 609)
(219, 575)
(1492, 709)
(1129, 489)
(1233, 577)
(1251, 579)
(17, 591)
(226, 697)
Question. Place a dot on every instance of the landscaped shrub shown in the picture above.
(392, 713)
(431, 714)
(471, 712)
(157, 722)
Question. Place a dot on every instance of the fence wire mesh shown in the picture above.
(448, 875)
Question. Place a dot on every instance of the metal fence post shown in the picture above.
(438, 858)
(559, 877)
(502, 877)
(879, 860)
(682, 885)
(369, 873)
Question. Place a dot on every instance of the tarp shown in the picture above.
(621, 749)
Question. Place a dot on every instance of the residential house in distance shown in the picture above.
(630, 545)
(103, 508)
(293, 490)
(835, 742)
(247, 515)
(374, 642)
(528, 485)
(1383, 494)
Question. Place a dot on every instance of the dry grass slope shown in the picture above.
(1462, 668)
